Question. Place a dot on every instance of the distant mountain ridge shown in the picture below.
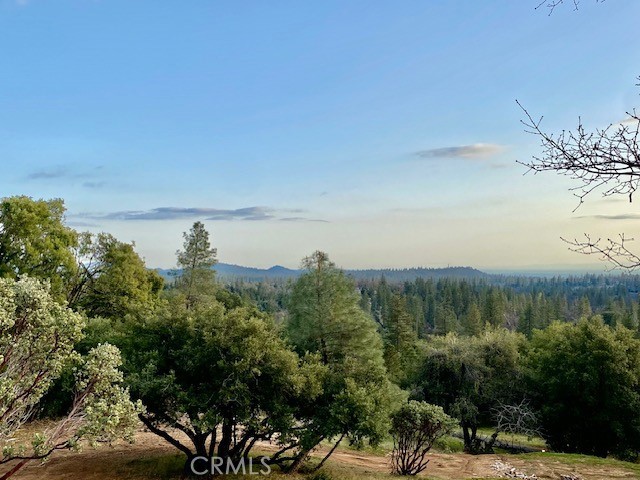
(227, 271)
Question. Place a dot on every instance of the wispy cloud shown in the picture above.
(621, 216)
(256, 213)
(69, 173)
(629, 121)
(80, 224)
(302, 219)
(476, 150)
(94, 185)
(49, 173)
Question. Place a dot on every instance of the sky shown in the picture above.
(385, 133)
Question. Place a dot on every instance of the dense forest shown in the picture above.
(467, 306)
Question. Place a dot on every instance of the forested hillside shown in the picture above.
(465, 306)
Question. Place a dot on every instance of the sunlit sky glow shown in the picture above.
(383, 132)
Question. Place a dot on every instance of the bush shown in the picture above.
(415, 428)
(586, 379)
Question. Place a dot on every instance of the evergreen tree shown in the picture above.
(325, 319)
(494, 308)
(400, 340)
(527, 322)
(586, 382)
(472, 320)
(197, 278)
(445, 320)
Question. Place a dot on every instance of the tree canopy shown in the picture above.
(586, 382)
(34, 240)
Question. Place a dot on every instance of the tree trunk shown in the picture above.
(298, 461)
(199, 466)
(466, 438)
(330, 453)
(224, 447)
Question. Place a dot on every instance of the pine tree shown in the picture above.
(196, 261)
(445, 319)
(472, 320)
(400, 340)
(325, 320)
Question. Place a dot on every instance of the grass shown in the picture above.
(443, 445)
(533, 442)
(576, 459)
(449, 445)
(169, 467)
(165, 467)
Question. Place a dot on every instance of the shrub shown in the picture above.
(415, 428)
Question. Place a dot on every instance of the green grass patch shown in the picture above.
(533, 442)
(581, 460)
(448, 445)
(165, 467)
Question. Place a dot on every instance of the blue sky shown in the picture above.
(383, 132)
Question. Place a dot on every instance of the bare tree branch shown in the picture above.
(615, 252)
(607, 159)
(553, 4)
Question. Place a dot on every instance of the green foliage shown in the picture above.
(586, 381)
(415, 427)
(472, 320)
(112, 280)
(35, 242)
(205, 367)
(325, 318)
(400, 342)
(321, 475)
(469, 376)
(494, 308)
(197, 279)
(449, 444)
(37, 337)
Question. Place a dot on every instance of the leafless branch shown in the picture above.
(553, 4)
(607, 159)
(516, 419)
(615, 252)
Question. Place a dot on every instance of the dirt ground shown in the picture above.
(123, 461)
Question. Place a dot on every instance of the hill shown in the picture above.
(228, 271)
